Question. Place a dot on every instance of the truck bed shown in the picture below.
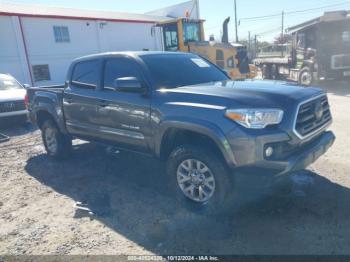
(49, 97)
(57, 89)
(48, 88)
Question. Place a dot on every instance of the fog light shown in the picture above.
(268, 151)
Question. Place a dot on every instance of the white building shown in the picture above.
(39, 42)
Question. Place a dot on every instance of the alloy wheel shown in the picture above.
(196, 180)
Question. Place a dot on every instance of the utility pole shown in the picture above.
(236, 26)
(282, 33)
(255, 45)
(249, 48)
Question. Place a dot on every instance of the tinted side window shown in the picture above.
(86, 74)
(174, 70)
(120, 67)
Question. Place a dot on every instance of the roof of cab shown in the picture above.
(126, 53)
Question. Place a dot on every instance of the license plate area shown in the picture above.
(346, 73)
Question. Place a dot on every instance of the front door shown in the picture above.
(124, 116)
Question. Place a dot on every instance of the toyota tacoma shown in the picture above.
(184, 110)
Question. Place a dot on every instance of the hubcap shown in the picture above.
(196, 180)
(50, 139)
(306, 78)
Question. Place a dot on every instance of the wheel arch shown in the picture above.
(309, 64)
(43, 111)
(42, 116)
(175, 133)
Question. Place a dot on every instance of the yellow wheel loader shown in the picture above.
(187, 35)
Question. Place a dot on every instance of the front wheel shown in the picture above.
(200, 179)
(305, 77)
(57, 145)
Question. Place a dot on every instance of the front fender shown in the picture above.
(199, 126)
(309, 63)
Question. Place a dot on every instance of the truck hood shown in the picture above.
(12, 95)
(252, 93)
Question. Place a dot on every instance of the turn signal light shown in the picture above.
(26, 101)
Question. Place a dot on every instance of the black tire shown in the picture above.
(274, 72)
(63, 142)
(283, 186)
(221, 200)
(306, 77)
(266, 72)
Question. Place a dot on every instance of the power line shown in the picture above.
(292, 12)
(259, 17)
(275, 16)
(295, 12)
(317, 8)
(315, 11)
(270, 31)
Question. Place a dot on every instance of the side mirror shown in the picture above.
(26, 86)
(128, 84)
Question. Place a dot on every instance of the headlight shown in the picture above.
(255, 118)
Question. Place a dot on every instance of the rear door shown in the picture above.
(124, 116)
(79, 100)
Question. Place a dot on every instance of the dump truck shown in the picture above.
(187, 35)
(320, 50)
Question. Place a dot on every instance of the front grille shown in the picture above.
(12, 106)
(312, 116)
(341, 61)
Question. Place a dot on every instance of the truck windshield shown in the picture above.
(191, 32)
(175, 70)
(8, 82)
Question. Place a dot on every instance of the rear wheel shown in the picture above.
(57, 145)
(266, 72)
(200, 179)
(274, 72)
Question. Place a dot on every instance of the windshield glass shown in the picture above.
(191, 32)
(8, 82)
(170, 37)
(174, 70)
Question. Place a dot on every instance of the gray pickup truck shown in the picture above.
(182, 109)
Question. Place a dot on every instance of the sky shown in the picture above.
(215, 11)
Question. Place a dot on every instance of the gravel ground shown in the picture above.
(133, 213)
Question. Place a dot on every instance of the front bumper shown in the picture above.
(249, 153)
(305, 157)
(14, 113)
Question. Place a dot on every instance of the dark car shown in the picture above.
(186, 111)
